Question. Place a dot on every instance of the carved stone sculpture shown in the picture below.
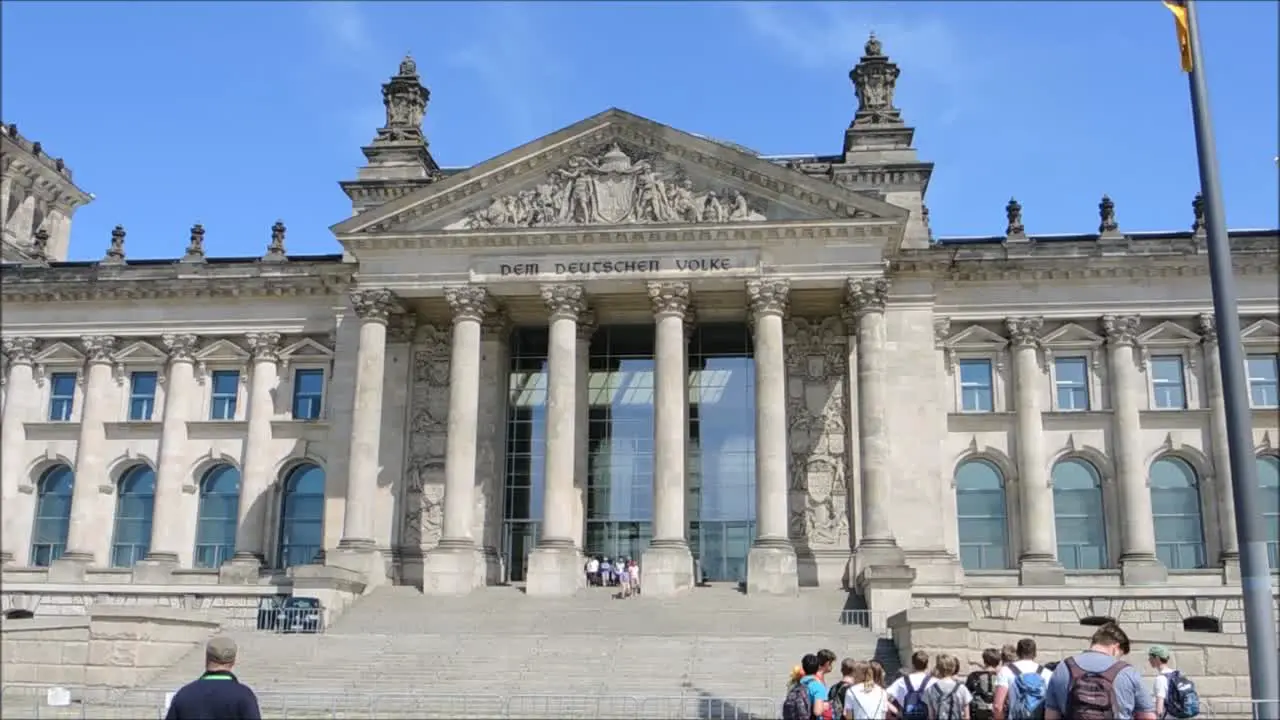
(874, 79)
(768, 297)
(264, 345)
(1107, 216)
(181, 347)
(613, 189)
(115, 251)
(428, 429)
(468, 302)
(1024, 331)
(19, 349)
(374, 305)
(98, 348)
(1197, 209)
(1013, 211)
(867, 295)
(1121, 329)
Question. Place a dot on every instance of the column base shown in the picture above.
(454, 567)
(666, 570)
(1036, 571)
(1142, 570)
(243, 568)
(554, 571)
(771, 569)
(361, 558)
(70, 568)
(1231, 569)
(156, 569)
(875, 552)
(492, 565)
(886, 590)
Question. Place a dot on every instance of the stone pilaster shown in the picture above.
(89, 536)
(1038, 564)
(667, 564)
(451, 567)
(771, 562)
(357, 551)
(877, 545)
(256, 463)
(582, 426)
(1138, 562)
(1219, 450)
(21, 404)
(168, 521)
(553, 565)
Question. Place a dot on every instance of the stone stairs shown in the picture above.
(713, 652)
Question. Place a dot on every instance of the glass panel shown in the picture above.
(142, 395)
(62, 393)
(1167, 382)
(301, 516)
(1263, 385)
(975, 386)
(1072, 378)
(1078, 518)
(226, 385)
(1269, 480)
(308, 392)
(53, 515)
(1175, 506)
(135, 505)
(526, 446)
(218, 513)
(981, 512)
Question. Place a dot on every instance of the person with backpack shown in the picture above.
(947, 698)
(1097, 684)
(867, 699)
(982, 686)
(807, 696)
(1020, 685)
(836, 695)
(907, 692)
(1175, 693)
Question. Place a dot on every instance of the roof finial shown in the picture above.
(408, 68)
(195, 246)
(275, 250)
(874, 79)
(405, 100)
(115, 251)
(873, 47)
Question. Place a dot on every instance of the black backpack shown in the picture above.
(1182, 701)
(797, 706)
(982, 685)
(836, 697)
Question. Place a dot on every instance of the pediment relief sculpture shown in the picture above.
(612, 188)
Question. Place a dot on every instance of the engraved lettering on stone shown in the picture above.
(613, 189)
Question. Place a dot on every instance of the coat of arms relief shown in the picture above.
(613, 189)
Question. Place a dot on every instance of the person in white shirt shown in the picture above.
(593, 570)
(1008, 675)
(1158, 657)
(866, 698)
(909, 688)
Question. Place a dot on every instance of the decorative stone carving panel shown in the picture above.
(613, 188)
(428, 429)
(817, 363)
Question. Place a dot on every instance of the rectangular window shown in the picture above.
(1071, 376)
(976, 394)
(226, 385)
(1263, 373)
(308, 394)
(142, 395)
(1168, 384)
(62, 396)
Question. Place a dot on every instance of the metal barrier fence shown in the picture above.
(148, 705)
(291, 619)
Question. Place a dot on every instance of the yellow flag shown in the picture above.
(1179, 10)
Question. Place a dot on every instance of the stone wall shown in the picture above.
(107, 647)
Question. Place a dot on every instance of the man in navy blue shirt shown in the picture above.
(217, 694)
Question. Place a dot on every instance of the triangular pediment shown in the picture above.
(1072, 334)
(617, 169)
(59, 353)
(1263, 331)
(222, 350)
(1168, 333)
(306, 348)
(141, 352)
(974, 337)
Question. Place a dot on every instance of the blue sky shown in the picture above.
(236, 114)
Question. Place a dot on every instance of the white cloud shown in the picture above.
(344, 26)
(826, 35)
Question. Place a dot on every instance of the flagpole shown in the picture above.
(1255, 577)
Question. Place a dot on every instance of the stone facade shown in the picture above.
(863, 328)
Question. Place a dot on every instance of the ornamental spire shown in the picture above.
(874, 80)
(405, 99)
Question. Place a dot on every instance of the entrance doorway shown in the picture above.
(617, 539)
(721, 549)
(518, 538)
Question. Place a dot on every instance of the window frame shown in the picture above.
(130, 375)
(1056, 403)
(222, 355)
(1110, 520)
(293, 369)
(976, 342)
(960, 386)
(77, 394)
(1168, 339)
(1072, 340)
(1275, 364)
(1009, 490)
(1186, 368)
(1202, 510)
(117, 492)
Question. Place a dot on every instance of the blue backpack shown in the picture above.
(1182, 700)
(1026, 696)
(913, 705)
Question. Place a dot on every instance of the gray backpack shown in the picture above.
(946, 704)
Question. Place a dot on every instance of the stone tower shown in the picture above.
(37, 199)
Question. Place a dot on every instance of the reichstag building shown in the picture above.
(622, 339)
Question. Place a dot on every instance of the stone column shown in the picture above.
(22, 401)
(168, 522)
(256, 461)
(1220, 452)
(554, 567)
(357, 551)
(582, 427)
(1138, 562)
(667, 565)
(453, 567)
(88, 538)
(877, 546)
(1038, 564)
(771, 562)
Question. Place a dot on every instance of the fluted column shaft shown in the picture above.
(1219, 447)
(582, 427)
(87, 538)
(1037, 520)
(1137, 528)
(768, 304)
(372, 307)
(256, 461)
(565, 303)
(867, 299)
(670, 301)
(469, 305)
(167, 525)
(20, 406)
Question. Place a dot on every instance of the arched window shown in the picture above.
(135, 508)
(983, 522)
(301, 516)
(1269, 480)
(1175, 504)
(1077, 515)
(53, 515)
(219, 510)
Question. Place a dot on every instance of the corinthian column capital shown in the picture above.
(768, 297)
(1208, 329)
(468, 302)
(264, 345)
(669, 298)
(1121, 329)
(1024, 331)
(373, 305)
(181, 347)
(564, 300)
(867, 295)
(98, 348)
(19, 350)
